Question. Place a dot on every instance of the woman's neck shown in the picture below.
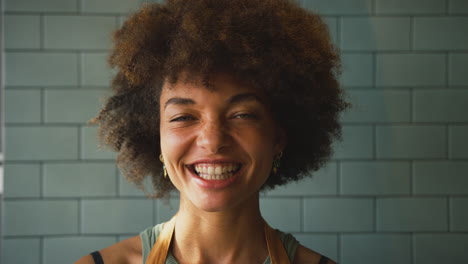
(231, 236)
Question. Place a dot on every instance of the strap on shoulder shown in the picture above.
(97, 257)
(323, 260)
(275, 247)
(160, 249)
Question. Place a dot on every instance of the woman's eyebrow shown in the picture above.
(238, 98)
(179, 101)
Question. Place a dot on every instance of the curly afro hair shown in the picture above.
(273, 45)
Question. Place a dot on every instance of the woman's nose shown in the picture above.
(213, 137)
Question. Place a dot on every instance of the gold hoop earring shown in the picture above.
(277, 162)
(164, 166)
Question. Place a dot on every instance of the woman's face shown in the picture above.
(219, 144)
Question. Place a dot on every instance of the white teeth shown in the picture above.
(215, 177)
(216, 171)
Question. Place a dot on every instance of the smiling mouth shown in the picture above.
(221, 171)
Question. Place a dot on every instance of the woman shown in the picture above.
(220, 99)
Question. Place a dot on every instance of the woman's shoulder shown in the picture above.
(300, 254)
(304, 255)
(127, 251)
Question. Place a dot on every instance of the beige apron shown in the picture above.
(160, 249)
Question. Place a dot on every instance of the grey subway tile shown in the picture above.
(411, 214)
(166, 209)
(92, 148)
(36, 217)
(127, 188)
(82, 105)
(440, 177)
(285, 219)
(459, 214)
(89, 32)
(357, 69)
(440, 33)
(379, 106)
(80, 179)
(59, 250)
(109, 6)
(458, 143)
(338, 7)
(321, 182)
(116, 216)
(95, 69)
(413, 7)
(42, 143)
(22, 32)
(410, 69)
(411, 142)
(22, 180)
(357, 143)
(332, 24)
(375, 178)
(338, 215)
(441, 105)
(376, 248)
(13, 250)
(458, 6)
(41, 6)
(375, 33)
(440, 248)
(458, 74)
(40, 69)
(22, 106)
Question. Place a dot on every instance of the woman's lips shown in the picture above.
(217, 171)
(215, 175)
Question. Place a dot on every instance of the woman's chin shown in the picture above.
(221, 202)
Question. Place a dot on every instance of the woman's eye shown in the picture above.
(182, 118)
(246, 116)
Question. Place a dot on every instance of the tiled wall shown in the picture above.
(396, 190)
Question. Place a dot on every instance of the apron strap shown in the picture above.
(160, 248)
(276, 249)
(158, 253)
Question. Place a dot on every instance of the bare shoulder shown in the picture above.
(307, 256)
(127, 251)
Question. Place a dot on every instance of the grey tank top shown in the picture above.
(149, 236)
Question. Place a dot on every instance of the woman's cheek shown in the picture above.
(175, 139)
